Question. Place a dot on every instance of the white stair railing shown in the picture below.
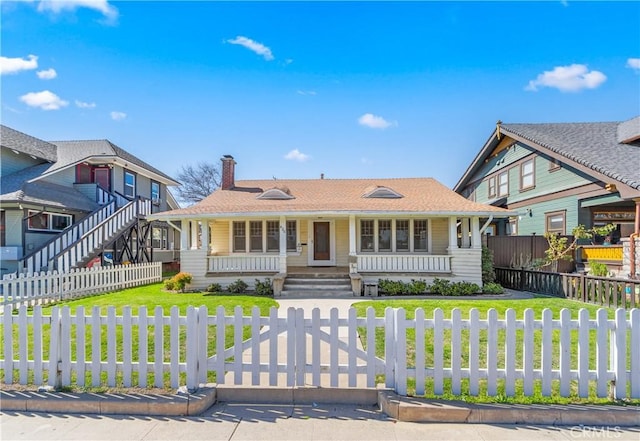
(102, 233)
(40, 259)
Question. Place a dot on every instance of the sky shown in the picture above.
(296, 89)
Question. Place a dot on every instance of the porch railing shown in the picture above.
(407, 263)
(258, 263)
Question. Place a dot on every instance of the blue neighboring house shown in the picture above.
(556, 176)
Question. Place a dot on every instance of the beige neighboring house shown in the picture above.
(400, 229)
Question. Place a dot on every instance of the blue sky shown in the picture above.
(293, 90)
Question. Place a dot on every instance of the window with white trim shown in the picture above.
(491, 187)
(503, 183)
(129, 184)
(420, 235)
(292, 235)
(367, 235)
(384, 235)
(527, 174)
(239, 237)
(402, 235)
(45, 221)
(159, 237)
(255, 236)
(155, 192)
(273, 236)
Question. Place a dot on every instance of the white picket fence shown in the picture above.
(483, 356)
(46, 287)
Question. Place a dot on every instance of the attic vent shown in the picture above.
(382, 193)
(276, 193)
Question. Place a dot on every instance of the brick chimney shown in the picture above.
(228, 172)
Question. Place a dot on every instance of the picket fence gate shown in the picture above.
(46, 287)
(151, 348)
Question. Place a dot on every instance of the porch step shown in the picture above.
(310, 293)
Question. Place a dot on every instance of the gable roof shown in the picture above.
(17, 188)
(595, 146)
(73, 152)
(23, 143)
(335, 196)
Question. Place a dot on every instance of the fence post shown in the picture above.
(389, 348)
(192, 348)
(583, 288)
(522, 284)
(55, 349)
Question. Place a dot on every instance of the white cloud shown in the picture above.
(48, 74)
(45, 100)
(634, 63)
(375, 122)
(57, 6)
(306, 92)
(570, 78)
(254, 46)
(15, 65)
(118, 116)
(297, 155)
(83, 105)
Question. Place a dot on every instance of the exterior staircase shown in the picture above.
(82, 241)
(317, 285)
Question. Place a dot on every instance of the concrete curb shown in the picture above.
(441, 411)
(401, 408)
(110, 404)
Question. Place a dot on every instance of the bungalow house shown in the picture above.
(557, 176)
(358, 229)
(55, 195)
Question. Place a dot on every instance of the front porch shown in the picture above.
(365, 248)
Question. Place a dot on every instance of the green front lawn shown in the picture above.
(519, 306)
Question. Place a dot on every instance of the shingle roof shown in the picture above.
(71, 152)
(420, 195)
(594, 145)
(15, 188)
(29, 145)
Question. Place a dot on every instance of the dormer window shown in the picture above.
(382, 193)
(276, 193)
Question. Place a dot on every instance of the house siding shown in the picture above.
(300, 259)
(220, 237)
(66, 177)
(13, 227)
(11, 162)
(439, 235)
(535, 224)
(342, 242)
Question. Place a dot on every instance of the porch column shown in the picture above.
(464, 228)
(453, 233)
(352, 235)
(194, 235)
(205, 235)
(476, 239)
(184, 234)
(283, 244)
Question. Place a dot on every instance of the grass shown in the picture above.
(447, 305)
(149, 296)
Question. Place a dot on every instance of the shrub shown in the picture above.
(181, 280)
(488, 274)
(237, 287)
(598, 269)
(169, 285)
(464, 289)
(417, 287)
(214, 287)
(493, 288)
(441, 287)
(392, 287)
(264, 288)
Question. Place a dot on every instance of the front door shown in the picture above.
(102, 176)
(321, 241)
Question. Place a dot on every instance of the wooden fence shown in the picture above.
(591, 356)
(519, 251)
(623, 293)
(46, 287)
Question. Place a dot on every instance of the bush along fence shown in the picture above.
(623, 293)
(587, 356)
(46, 287)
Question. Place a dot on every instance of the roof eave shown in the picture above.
(488, 147)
